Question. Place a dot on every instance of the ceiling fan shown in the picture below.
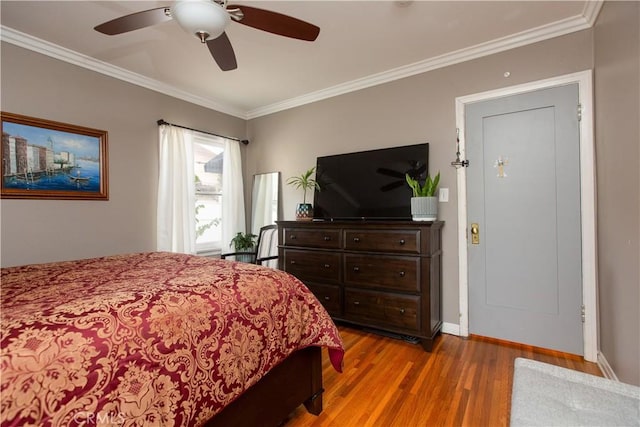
(208, 19)
(416, 171)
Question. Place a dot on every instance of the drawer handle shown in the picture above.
(292, 237)
(402, 242)
(402, 274)
(356, 239)
(402, 311)
(327, 298)
(292, 262)
(356, 303)
(356, 268)
(327, 266)
(327, 238)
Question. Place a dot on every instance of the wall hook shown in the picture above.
(458, 163)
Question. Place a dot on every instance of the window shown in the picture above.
(208, 153)
(196, 193)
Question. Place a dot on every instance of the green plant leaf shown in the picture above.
(415, 186)
(243, 241)
(436, 181)
(305, 182)
(427, 190)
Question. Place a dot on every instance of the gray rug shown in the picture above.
(547, 395)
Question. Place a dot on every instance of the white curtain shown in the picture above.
(233, 218)
(176, 217)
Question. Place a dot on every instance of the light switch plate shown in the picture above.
(443, 195)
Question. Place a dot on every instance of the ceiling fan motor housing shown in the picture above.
(205, 19)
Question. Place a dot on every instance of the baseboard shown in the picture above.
(450, 328)
(605, 368)
(603, 364)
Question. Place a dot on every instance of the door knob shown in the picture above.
(475, 234)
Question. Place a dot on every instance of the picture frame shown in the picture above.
(45, 159)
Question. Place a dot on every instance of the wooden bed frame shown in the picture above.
(297, 380)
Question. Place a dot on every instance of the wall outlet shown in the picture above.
(443, 195)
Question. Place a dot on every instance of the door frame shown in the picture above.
(584, 79)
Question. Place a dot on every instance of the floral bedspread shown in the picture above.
(152, 339)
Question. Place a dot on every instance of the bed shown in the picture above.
(159, 339)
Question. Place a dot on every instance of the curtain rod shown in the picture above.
(163, 122)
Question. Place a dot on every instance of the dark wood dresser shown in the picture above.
(385, 275)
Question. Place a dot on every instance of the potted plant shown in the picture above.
(304, 210)
(243, 244)
(424, 203)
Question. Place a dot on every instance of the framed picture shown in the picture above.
(43, 159)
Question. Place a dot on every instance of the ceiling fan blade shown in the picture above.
(420, 170)
(222, 52)
(392, 186)
(391, 173)
(135, 21)
(276, 23)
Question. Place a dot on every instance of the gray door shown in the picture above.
(523, 186)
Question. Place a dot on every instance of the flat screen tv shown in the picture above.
(368, 185)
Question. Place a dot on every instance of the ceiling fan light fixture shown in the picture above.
(205, 19)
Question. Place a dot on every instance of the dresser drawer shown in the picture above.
(329, 295)
(404, 241)
(315, 237)
(380, 308)
(378, 271)
(312, 266)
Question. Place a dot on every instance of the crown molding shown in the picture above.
(585, 20)
(591, 11)
(44, 47)
(544, 32)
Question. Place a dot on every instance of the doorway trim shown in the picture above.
(584, 79)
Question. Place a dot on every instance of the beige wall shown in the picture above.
(40, 231)
(415, 109)
(617, 103)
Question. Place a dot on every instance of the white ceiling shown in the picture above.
(361, 43)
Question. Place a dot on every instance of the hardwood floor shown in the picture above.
(388, 382)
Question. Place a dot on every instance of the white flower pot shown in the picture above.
(424, 208)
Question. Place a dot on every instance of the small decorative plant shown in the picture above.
(202, 228)
(427, 190)
(243, 241)
(305, 182)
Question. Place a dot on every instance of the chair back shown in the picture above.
(267, 246)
